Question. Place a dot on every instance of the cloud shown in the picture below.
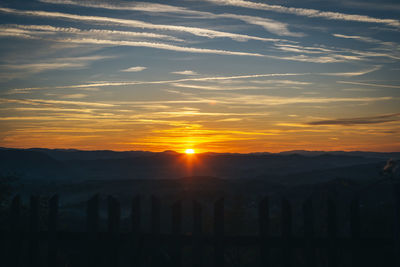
(334, 58)
(20, 69)
(137, 24)
(36, 31)
(214, 78)
(356, 37)
(310, 13)
(303, 49)
(370, 84)
(270, 25)
(54, 102)
(355, 73)
(185, 72)
(359, 120)
(40, 67)
(262, 100)
(341, 54)
(162, 46)
(218, 88)
(134, 69)
(230, 79)
(74, 96)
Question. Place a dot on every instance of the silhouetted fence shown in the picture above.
(25, 248)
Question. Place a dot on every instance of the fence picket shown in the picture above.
(15, 232)
(197, 250)
(355, 230)
(114, 217)
(287, 233)
(33, 232)
(176, 232)
(263, 223)
(308, 213)
(219, 233)
(92, 213)
(136, 240)
(52, 231)
(155, 247)
(332, 232)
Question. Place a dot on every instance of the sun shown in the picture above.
(190, 151)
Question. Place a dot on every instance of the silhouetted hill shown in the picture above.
(29, 164)
(292, 167)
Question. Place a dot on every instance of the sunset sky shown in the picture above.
(211, 75)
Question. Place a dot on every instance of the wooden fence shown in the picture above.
(140, 244)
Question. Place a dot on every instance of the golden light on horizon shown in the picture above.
(190, 151)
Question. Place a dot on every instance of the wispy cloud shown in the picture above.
(218, 88)
(162, 46)
(39, 67)
(307, 12)
(355, 73)
(55, 102)
(185, 72)
(343, 54)
(134, 69)
(330, 58)
(212, 78)
(20, 69)
(260, 100)
(270, 25)
(36, 31)
(138, 24)
(370, 84)
(357, 37)
(74, 96)
(359, 120)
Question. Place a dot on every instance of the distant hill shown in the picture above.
(292, 167)
(26, 163)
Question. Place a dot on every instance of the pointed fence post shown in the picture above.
(52, 231)
(136, 259)
(263, 224)
(332, 234)
(219, 233)
(309, 247)
(176, 232)
(92, 213)
(155, 254)
(114, 218)
(197, 251)
(33, 232)
(355, 227)
(287, 233)
(15, 238)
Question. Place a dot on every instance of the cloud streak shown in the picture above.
(185, 72)
(199, 79)
(359, 120)
(134, 69)
(307, 12)
(370, 84)
(35, 31)
(162, 46)
(270, 25)
(355, 73)
(137, 24)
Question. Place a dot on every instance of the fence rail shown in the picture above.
(140, 243)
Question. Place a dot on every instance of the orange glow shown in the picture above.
(190, 151)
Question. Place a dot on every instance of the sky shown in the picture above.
(210, 75)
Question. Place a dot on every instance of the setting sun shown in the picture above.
(189, 151)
